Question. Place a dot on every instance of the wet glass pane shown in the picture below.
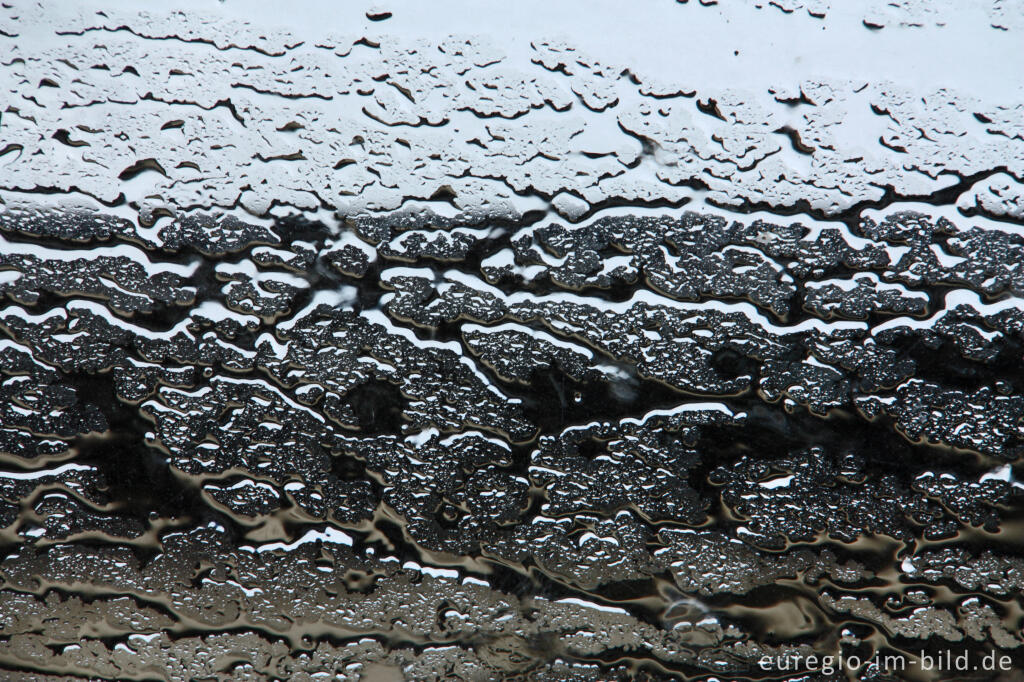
(535, 341)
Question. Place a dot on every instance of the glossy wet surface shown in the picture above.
(371, 357)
